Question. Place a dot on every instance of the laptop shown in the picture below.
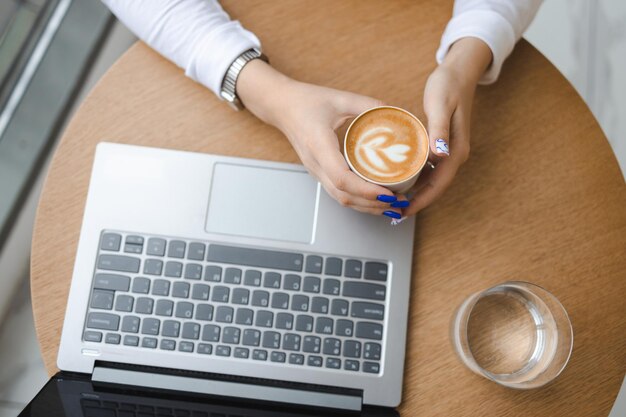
(209, 285)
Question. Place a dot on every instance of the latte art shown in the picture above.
(387, 145)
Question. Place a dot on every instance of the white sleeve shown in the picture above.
(197, 35)
(498, 23)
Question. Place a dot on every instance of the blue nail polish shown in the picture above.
(386, 198)
(392, 214)
(400, 204)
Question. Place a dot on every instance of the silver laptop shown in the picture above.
(235, 278)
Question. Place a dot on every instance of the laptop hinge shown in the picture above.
(225, 388)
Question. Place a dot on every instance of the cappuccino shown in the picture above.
(387, 146)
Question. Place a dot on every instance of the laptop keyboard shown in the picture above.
(234, 302)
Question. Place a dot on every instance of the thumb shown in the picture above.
(355, 104)
(439, 130)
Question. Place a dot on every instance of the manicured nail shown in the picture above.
(395, 222)
(392, 214)
(442, 146)
(400, 204)
(386, 198)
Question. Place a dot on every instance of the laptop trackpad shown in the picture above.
(266, 203)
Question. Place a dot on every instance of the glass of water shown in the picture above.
(516, 334)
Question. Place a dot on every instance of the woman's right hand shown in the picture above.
(309, 115)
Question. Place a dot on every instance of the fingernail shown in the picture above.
(400, 204)
(386, 198)
(392, 214)
(442, 146)
(395, 222)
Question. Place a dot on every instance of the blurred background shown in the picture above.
(52, 52)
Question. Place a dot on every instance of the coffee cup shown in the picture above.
(387, 146)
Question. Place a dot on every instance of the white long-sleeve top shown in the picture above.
(200, 37)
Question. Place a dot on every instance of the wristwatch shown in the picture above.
(228, 91)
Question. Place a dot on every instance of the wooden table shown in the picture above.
(540, 199)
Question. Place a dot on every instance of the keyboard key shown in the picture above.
(372, 351)
(196, 251)
(134, 240)
(200, 292)
(173, 269)
(278, 357)
(284, 321)
(232, 276)
(181, 290)
(131, 340)
(144, 305)
(112, 339)
(156, 246)
(167, 344)
(193, 271)
(370, 311)
(191, 331)
(204, 312)
(291, 341)
(296, 359)
(332, 346)
(344, 328)
(149, 342)
(313, 264)
(241, 353)
(205, 349)
(220, 294)
(251, 337)
(224, 314)
(319, 305)
(311, 344)
(164, 308)
(271, 340)
(259, 354)
(141, 285)
(171, 328)
(184, 310)
(222, 350)
(118, 263)
(110, 241)
(364, 290)
(153, 267)
(102, 299)
(130, 324)
(124, 303)
(213, 273)
(333, 266)
(231, 335)
(161, 287)
(260, 258)
(331, 286)
(211, 333)
(339, 307)
(304, 323)
(252, 278)
(176, 249)
(260, 298)
(371, 367)
(300, 303)
(367, 330)
(240, 296)
(292, 282)
(353, 268)
(111, 282)
(271, 280)
(280, 300)
(150, 326)
(136, 249)
(352, 349)
(324, 325)
(315, 361)
(376, 271)
(185, 347)
(91, 336)
(244, 316)
(312, 284)
(351, 365)
(333, 363)
(264, 318)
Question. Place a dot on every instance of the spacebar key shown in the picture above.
(364, 290)
(255, 257)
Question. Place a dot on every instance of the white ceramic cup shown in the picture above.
(400, 186)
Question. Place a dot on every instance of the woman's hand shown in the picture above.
(309, 115)
(448, 98)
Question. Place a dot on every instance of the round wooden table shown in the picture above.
(541, 198)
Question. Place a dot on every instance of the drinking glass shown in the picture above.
(516, 334)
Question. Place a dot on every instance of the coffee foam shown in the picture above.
(387, 145)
